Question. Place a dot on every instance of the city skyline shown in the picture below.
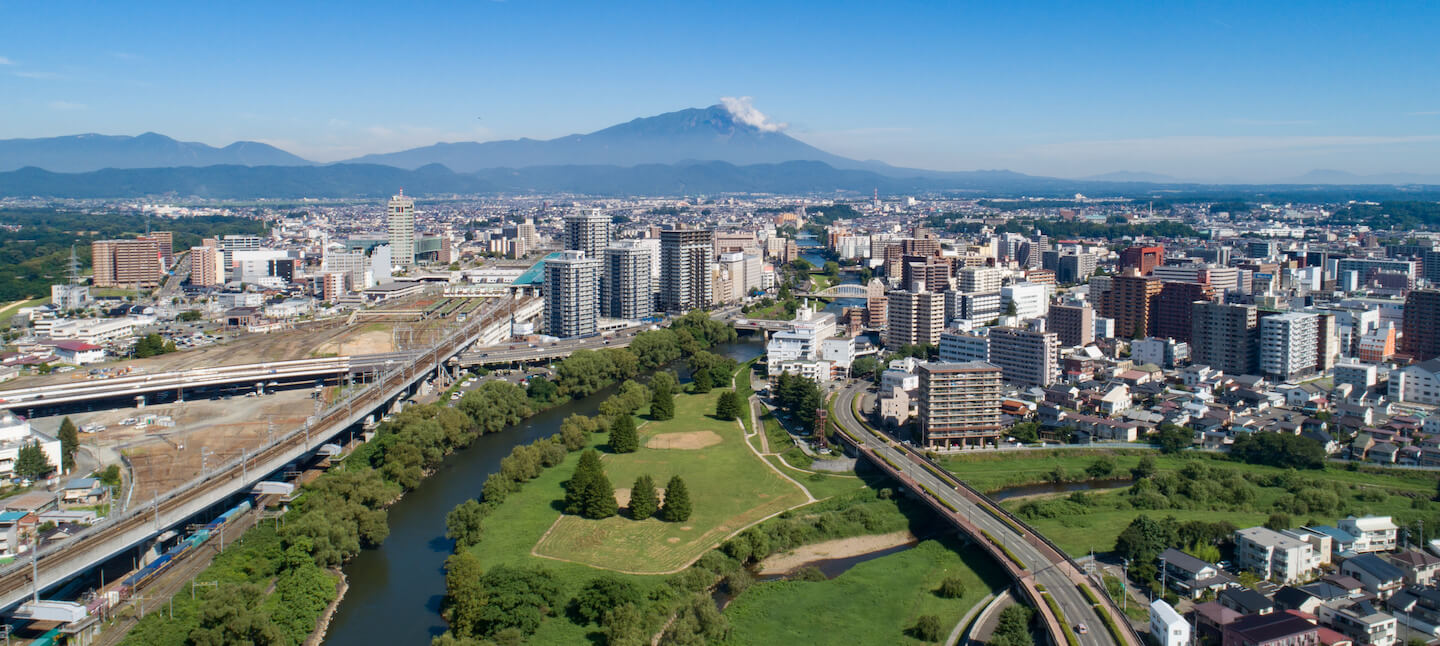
(1222, 93)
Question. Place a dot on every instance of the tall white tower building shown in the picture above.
(572, 294)
(401, 225)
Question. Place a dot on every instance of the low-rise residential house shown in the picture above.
(1379, 577)
(1276, 629)
(1307, 598)
(1167, 627)
(1190, 576)
(78, 353)
(1372, 533)
(1420, 568)
(1383, 453)
(1210, 619)
(1245, 601)
(1302, 395)
(1341, 542)
(83, 491)
(1418, 609)
(1361, 621)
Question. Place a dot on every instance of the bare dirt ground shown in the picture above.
(364, 341)
(208, 431)
(690, 441)
(241, 348)
(839, 548)
(622, 496)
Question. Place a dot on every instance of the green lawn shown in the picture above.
(1098, 529)
(889, 593)
(11, 309)
(730, 489)
(1402, 494)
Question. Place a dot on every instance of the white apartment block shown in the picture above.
(1289, 345)
(1273, 555)
(1031, 300)
(1372, 533)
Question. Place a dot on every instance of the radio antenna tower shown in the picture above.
(72, 268)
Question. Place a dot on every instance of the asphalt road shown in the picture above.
(1051, 574)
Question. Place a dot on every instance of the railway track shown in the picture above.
(233, 476)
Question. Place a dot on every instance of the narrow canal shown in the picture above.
(395, 590)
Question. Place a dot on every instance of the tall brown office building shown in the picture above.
(933, 271)
(959, 404)
(1225, 337)
(1172, 308)
(1145, 259)
(1421, 325)
(913, 318)
(126, 263)
(166, 241)
(1025, 356)
(1131, 302)
(1073, 324)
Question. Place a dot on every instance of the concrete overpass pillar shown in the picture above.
(139, 401)
(260, 388)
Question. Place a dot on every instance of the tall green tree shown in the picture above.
(588, 467)
(599, 497)
(31, 462)
(623, 438)
(662, 404)
(465, 523)
(69, 443)
(727, 407)
(701, 382)
(644, 501)
(677, 501)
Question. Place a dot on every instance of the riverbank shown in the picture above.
(890, 593)
(788, 562)
(318, 637)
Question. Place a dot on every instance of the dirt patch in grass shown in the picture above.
(689, 441)
(839, 548)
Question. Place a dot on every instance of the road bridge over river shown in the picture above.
(1042, 572)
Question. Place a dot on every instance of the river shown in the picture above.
(395, 589)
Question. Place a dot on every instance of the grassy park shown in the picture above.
(890, 592)
(729, 486)
(1200, 487)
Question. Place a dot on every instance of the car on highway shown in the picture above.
(1082, 629)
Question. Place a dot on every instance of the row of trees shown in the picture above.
(589, 493)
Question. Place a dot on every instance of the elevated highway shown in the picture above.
(180, 381)
(112, 536)
(1042, 572)
(526, 353)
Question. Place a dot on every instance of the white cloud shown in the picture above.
(37, 75)
(744, 112)
(6, 61)
(66, 105)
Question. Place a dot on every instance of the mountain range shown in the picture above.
(709, 150)
(81, 153)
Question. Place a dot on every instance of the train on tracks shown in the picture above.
(120, 591)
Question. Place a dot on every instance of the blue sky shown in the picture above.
(1232, 91)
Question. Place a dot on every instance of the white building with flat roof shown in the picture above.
(802, 341)
(1372, 533)
(16, 433)
(1273, 555)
